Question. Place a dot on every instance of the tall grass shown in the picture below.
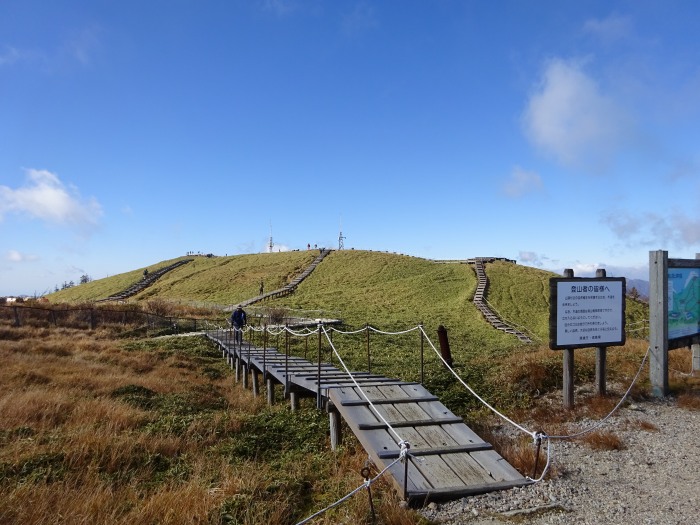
(97, 430)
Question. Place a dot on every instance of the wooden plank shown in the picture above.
(391, 454)
(376, 401)
(460, 491)
(412, 423)
(464, 465)
(434, 468)
(375, 440)
(446, 458)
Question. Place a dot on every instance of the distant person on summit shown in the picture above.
(238, 321)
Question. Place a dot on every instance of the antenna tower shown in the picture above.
(341, 238)
(271, 245)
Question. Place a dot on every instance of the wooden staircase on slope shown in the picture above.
(480, 302)
(291, 286)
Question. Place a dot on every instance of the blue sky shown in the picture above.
(559, 134)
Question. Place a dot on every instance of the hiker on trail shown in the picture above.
(238, 321)
(262, 287)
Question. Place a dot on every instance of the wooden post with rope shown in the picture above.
(319, 402)
(568, 365)
(601, 356)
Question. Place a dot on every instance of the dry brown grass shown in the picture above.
(603, 440)
(80, 442)
(641, 424)
(689, 401)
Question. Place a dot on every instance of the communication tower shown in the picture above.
(341, 237)
(271, 244)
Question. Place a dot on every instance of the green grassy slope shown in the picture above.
(102, 288)
(227, 280)
(220, 280)
(392, 293)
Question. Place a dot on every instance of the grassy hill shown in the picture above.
(390, 292)
(194, 431)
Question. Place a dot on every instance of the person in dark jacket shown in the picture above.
(238, 321)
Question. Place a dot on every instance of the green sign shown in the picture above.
(683, 302)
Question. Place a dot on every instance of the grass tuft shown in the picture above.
(603, 440)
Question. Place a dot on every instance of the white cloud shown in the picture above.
(9, 56)
(361, 19)
(279, 7)
(18, 257)
(522, 182)
(649, 229)
(569, 118)
(277, 248)
(46, 198)
(529, 259)
(613, 28)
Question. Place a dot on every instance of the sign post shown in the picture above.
(585, 312)
(674, 314)
(658, 322)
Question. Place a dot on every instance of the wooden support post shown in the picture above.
(18, 322)
(601, 370)
(568, 365)
(444, 345)
(237, 368)
(696, 358)
(422, 359)
(696, 347)
(245, 376)
(256, 381)
(319, 401)
(294, 401)
(270, 391)
(286, 358)
(369, 357)
(335, 426)
(265, 351)
(658, 323)
(600, 356)
(568, 378)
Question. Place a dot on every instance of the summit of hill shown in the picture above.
(387, 290)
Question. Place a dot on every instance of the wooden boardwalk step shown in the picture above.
(446, 459)
(359, 402)
(474, 447)
(412, 423)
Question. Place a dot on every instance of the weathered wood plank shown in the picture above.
(446, 458)
(412, 423)
(453, 449)
(376, 401)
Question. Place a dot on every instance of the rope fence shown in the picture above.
(405, 457)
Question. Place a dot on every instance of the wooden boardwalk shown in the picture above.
(447, 459)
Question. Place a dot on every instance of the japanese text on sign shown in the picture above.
(590, 313)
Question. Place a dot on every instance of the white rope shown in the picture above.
(395, 333)
(352, 332)
(357, 385)
(366, 484)
(550, 455)
(483, 401)
(619, 404)
(301, 334)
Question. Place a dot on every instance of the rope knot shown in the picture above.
(405, 445)
(537, 437)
